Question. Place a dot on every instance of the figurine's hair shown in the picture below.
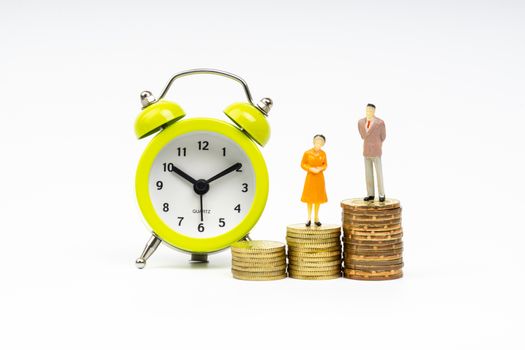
(321, 136)
(371, 105)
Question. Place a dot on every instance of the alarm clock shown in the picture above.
(201, 183)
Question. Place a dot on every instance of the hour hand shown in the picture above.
(234, 167)
(184, 175)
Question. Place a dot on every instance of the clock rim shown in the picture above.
(176, 239)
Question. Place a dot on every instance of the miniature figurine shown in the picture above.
(314, 192)
(373, 132)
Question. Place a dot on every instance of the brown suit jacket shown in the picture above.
(373, 139)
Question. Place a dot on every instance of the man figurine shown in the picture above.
(373, 132)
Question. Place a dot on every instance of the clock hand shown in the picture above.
(234, 167)
(202, 214)
(184, 175)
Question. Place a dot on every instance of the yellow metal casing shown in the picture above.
(156, 116)
(177, 239)
(251, 120)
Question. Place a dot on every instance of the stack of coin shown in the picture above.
(314, 253)
(258, 260)
(373, 246)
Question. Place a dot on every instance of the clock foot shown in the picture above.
(150, 248)
(199, 257)
(247, 238)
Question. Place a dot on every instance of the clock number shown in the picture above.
(203, 145)
(224, 151)
(165, 207)
(181, 151)
(180, 219)
(159, 185)
(200, 227)
(244, 187)
(222, 223)
(237, 208)
(168, 167)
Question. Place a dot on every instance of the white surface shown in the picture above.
(444, 75)
(220, 201)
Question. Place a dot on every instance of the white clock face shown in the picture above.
(180, 178)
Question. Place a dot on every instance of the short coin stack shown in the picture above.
(314, 253)
(373, 246)
(258, 260)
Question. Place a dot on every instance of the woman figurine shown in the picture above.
(314, 192)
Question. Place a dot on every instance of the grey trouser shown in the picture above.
(370, 163)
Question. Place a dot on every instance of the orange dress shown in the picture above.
(314, 188)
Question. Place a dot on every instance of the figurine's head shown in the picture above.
(319, 141)
(370, 111)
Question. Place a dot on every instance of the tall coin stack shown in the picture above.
(314, 253)
(373, 246)
(258, 260)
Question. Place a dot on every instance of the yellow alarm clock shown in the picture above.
(201, 183)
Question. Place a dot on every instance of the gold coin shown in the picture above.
(259, 260)
(315, 245)
(374, 260)
(372, 214)
(258, 246)
(370, 218)
(374, 267)
(379, 238)
(314, 272)
(303, 239)
(348, 232)
(362, 259)
(256, 273)
(372, 232)
(372, 241)
(373, 278)
(259, 263)
(388, 239)
(313, 240)
(385, 221)
(352, 272)
(371, 227)
(314, 259)
(323, 266)
(323, 235)
(302, 272)
(259, 254)
(372, 223)
(302, 228)
(238, 268)
(262, 260)
(360, 204)
(371, 209)
(373, 252)
(320, 277)
(300, 264)
(315, 264)
(374, 246)
(315, 254)
(260, 278)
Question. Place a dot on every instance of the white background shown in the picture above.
(447, 78)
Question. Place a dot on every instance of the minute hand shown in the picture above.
(234, 167)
